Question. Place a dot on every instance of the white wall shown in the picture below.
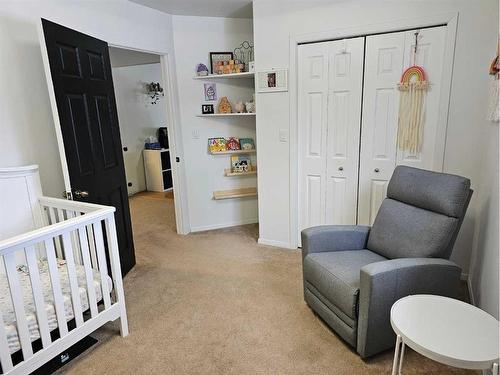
(475, 46)
(138, 118)
(194, 38)
(125, 57)
(26, 124)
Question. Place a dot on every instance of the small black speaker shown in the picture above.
(163, 137)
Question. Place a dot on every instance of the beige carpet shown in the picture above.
(218, 303)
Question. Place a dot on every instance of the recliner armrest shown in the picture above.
(383, 283)
(334, 238)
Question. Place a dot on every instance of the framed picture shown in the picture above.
(272, 80)
(207, 109)
(210, 90)
(219, 57)
(247, 144)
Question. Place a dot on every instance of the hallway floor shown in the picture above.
(218, 303)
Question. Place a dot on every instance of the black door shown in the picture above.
(81, 75)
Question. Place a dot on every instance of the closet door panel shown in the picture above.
(383, 68)
(344, 121)
(312, 117)
(430, 55)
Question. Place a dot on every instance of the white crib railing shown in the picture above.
(78, 233)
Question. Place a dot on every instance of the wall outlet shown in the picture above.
(283, 135)
(195, 134)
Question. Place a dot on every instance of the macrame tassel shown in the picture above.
(411, 115)
(494, 105)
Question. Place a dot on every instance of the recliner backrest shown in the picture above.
(421, 215)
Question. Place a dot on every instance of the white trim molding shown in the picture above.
(203, 228)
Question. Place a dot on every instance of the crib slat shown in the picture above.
(18, 303)
(93, 256)
(103, 267)
(74, 238)
(82, 234)
(73, 282)
(56, 288)
(41, 313)
(57, 240)
(5, 358)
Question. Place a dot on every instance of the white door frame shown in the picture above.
(449, 20)
(174, 130)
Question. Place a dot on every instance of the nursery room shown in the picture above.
(249, 187)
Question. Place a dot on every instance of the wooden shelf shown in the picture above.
(235, 193)
(228, 173)
(225, 114)
(234, 152)
(230, 75)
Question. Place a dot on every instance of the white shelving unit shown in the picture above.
(246, 75)
(158, 170)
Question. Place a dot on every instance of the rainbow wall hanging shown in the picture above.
(413, 87)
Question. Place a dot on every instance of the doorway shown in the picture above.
(140, 102)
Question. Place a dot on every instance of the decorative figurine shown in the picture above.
(239, 107)
(250, 107)
(201, 70)
(224, 105)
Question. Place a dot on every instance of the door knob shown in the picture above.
(376, 170)
(81, 194)
(341, 168)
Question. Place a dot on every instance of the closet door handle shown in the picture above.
(376, 170)
(341, 168)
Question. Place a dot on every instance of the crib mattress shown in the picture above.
(7, 309)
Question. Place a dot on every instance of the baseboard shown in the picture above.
(282, 244)
(203, 228)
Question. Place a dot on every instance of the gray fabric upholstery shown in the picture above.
(404, 231)
(349, 282)
(336, 276)
(383, 283)
(333, 238)
(439, 192)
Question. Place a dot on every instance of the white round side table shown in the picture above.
(445, 330)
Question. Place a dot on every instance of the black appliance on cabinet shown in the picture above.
(163, 137)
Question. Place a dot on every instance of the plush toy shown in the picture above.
(250, 107)
(239, 107)
(224, 105)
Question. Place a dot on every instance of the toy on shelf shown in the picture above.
(250, 106)
(224, 105)
(239, 107)
(201, 70)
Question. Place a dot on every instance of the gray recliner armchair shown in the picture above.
(353, 274)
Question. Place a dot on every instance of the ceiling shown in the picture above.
(208, 8)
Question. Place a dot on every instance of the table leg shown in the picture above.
(401, 356)
(396, 355)
(494, 369)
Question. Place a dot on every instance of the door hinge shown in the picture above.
(67, 195)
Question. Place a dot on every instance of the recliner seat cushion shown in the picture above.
(336, 276)
(404, 231)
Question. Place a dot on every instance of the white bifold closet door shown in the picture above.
(330, 88)
(386, 57)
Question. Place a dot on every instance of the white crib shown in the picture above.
(53, 271)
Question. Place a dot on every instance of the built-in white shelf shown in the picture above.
(234, 152)
(235, 193)
(228, 173)
(230, 75)
(225, 114)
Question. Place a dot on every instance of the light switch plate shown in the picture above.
(283, 135)
(195, 133)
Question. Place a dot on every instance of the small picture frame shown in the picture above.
(210, 90)
(272, 80)
(207, 109)
(216, 57)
